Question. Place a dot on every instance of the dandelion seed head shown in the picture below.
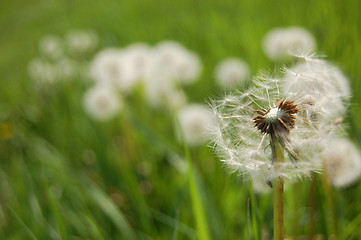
(244, 122)
(66, 68)
(322, 85)
(42, 72)
(178, 63)
(194, 120)
(342, 161)
(139, 56)
(231, 72)
(188, 68)
(161, 92)
(81, 42)
(110, 66)
(102, 103)
(281, 43)
(51, 47)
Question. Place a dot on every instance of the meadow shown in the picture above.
(64, 175)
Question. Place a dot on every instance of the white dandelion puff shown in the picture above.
(102, 103)
(51, 47)
(160, 91)
(324, 84)
(175, 61)
(80, 42)
(175, 99)
(231, 73)
(167, 53)
(280, 43)
(139, 56)
(111, 66)
(42, 72)
(342, 162)
(244, 124)
(194, 120)
(188, 68)
(67, 69)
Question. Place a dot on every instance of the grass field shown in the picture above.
(66, 176)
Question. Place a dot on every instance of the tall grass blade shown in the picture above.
(109, 208)
(27, 229)
(198, 210)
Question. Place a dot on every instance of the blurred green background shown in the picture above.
(64, 176)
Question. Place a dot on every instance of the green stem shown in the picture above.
(278, 185)
(313, 222)
(197, 203)
(331, 203)
(296, 212)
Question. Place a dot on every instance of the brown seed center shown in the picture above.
(277, 120)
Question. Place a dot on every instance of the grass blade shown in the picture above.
(198, 210)
(112, 212)
(27, 230)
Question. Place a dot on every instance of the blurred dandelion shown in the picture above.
(51, 47)
(160, 91)
(139, 55)
(171, 66)
(280, 43)
(59, 59)
(81, 42)
(194, 120)
(67, 69)
(231, 73)
(176, 62)
(342, 162)
(42, 72)
(162, 70)
(188, 68)
(102, 103)
(111, 66)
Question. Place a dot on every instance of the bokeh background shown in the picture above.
(66, 176)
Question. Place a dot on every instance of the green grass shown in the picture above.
(64, 176)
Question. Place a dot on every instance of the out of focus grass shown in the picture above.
(64, 176)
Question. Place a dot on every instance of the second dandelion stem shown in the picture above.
(278, 185)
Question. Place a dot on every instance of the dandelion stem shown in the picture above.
(278, 157)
